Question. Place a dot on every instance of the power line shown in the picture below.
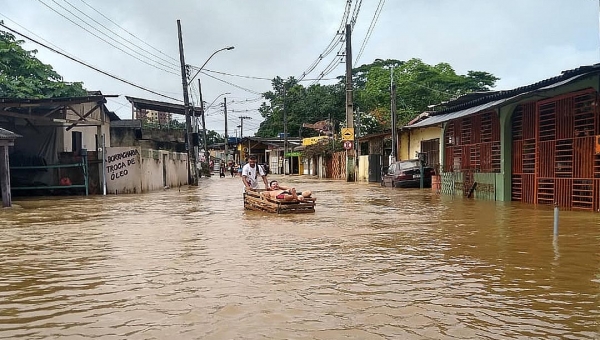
(131, 34)
(85, 29)
(355, 13)
(333, 64)
(370, 30)
(87, 65)
(33, 33)
(337, 39)
(232, 84)
(232, 75)
(243, 76)
(118, 35)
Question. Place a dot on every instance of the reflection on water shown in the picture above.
(371, 263)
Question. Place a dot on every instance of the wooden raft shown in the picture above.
(254, 201)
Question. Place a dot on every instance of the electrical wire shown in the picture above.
(337, 39)
(355, 13)
(232, 84)
(122, 38)
(106, 41)
(370, 30)
(33, 33)
(126, 31)
(88, 65)
(335, 62)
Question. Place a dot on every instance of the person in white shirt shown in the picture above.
(250, 173)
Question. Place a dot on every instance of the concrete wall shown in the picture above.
(132, 170)
(123, 169)
(363, 169)
(410, 140)
(162, 168)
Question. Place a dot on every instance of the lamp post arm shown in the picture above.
(206, 62)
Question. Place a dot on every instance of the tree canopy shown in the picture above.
(22, 75)
(418, 85)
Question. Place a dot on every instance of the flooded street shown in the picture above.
(371, 263)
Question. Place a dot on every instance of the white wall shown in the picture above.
(123, 170)
(363, 169)
(162, 168)
(410, 140)
(131, 170)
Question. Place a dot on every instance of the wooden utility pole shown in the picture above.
(206, 153)
(186, 103)
(226, 136)
(284, 132)
(394, 118)
(242, 125)
(350, 154)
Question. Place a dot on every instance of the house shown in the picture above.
(537, 144)
(58, 153)
(146, 156)
(281, 159)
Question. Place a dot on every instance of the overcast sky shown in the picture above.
(519, 41)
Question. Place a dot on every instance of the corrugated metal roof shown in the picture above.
(156, 105)
(441, 118)
(5, 134)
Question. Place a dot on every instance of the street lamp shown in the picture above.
(211, 104)
(206, 153)
(206, 62)
(187, 83)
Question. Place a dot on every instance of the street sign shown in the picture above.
(348, 134)
(348, 145)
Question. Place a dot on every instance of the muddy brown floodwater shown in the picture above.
(371, 263)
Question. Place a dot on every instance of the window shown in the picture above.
(76, 141)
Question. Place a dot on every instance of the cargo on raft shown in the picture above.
(253, 200)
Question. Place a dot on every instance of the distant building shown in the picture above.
(153, 116)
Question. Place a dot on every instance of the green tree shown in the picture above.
(212, 137)
(22, 75)
(301, 105)
(418, 85)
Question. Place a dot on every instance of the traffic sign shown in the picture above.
(348, 145)
(348, 134)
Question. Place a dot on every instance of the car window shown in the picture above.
(408, 164)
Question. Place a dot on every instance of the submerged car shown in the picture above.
(407, 174)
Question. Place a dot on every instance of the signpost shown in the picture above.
(348, 134)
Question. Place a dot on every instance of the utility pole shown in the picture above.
(357, 134)
(350, 154)
(394, 118)
(186, 104)
(226, 136)
(206, 153)
(242, 125)
(284, 132)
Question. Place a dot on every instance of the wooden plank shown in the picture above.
(5, 177)
(254, 201)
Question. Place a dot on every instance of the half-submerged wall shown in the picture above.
(133, 170)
